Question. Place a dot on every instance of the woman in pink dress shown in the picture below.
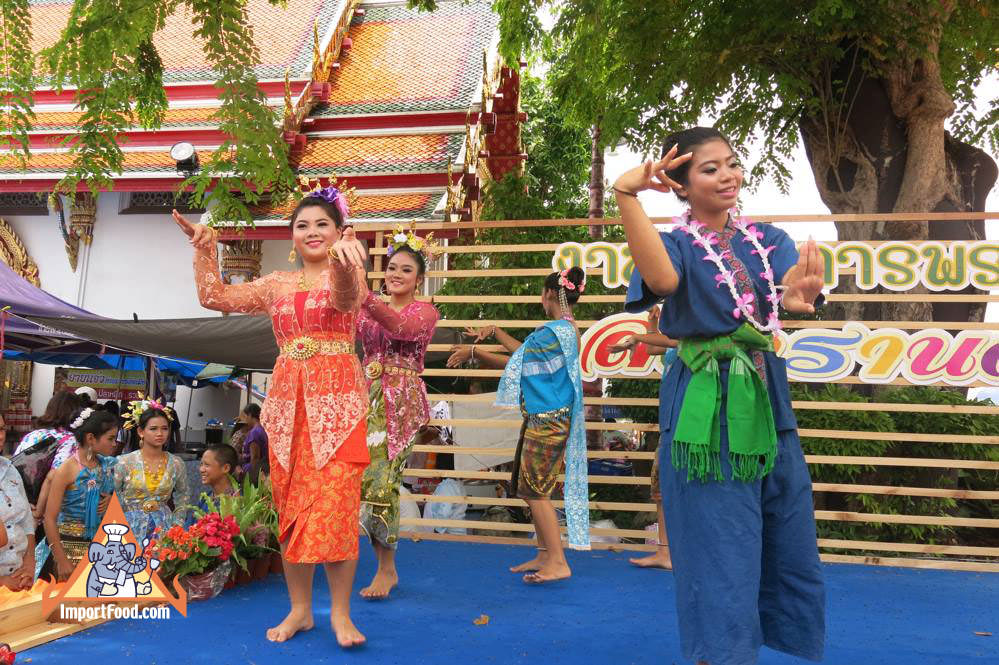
(395, 338)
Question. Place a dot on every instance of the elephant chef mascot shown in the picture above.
(115, 566)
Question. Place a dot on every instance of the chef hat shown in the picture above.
(115, 531)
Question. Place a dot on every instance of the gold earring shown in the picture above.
(292, 256)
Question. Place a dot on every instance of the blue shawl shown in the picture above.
(577, 511)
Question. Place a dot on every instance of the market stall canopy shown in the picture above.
(246, 342)
(238, 341)
(23, 298)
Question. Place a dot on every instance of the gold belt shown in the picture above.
(303, 348)
(73, 528)
(375, 369)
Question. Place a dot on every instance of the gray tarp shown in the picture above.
(246, 342)
(241, 341)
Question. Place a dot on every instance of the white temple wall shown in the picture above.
(137, 263)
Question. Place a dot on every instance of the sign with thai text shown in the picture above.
(824, 355)
(897, 266)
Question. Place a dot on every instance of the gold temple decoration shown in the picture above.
(15, 254)
(241, 260)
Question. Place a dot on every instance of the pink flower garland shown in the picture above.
(744, 307)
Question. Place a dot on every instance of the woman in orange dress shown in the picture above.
(315, 412)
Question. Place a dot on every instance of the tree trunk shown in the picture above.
(596, 182)
(892, 154)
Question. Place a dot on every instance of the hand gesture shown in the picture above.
(652, 174)
(625, 344)
(202, 237)
(348, 249)
(805, 283)
(653, 323)
(480, 334)
(460, 354)
(63, 569)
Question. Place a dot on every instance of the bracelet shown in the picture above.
(626, 193)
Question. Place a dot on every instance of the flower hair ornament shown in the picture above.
(342, 197)
(140, 406)
(564, 282)
(427, 246)
(82, 418)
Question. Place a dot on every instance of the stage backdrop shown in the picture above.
(896, 353)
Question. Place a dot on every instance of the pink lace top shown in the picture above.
(330, 388)
(399, 339)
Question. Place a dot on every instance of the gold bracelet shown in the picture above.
(626, 193)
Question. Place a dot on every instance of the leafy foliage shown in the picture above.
(106, 53)
(16, 73)
(917, 422)
(644, 69)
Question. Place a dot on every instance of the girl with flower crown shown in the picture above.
(147, 479)
(394, 336)
(735, 485)
(542, 377)
(315, 411)
(81, 488)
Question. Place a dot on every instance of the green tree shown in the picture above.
(866, 85)
(106, 54)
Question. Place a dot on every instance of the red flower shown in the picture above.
(6, 655)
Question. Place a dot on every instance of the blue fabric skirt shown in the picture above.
(745, 560)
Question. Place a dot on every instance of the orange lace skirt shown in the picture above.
(318, 509)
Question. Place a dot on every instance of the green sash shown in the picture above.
(752, 437)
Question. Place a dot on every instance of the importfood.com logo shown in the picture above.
(107, 612)
(117, 579)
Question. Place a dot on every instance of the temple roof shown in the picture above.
(283, 36)
(377, 93)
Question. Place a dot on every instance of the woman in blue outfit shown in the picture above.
(81, 488)
(542, 377)
(735, 486)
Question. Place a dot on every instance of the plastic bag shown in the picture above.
(447, 511)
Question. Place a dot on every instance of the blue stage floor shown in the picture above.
(609, 612)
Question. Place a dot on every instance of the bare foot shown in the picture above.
(550, 572)
(537, 563)
(659, 559)
(347, 634)
(293, 623)
(381, 585)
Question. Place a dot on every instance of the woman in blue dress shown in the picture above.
(542, 377)
(735, 485)
(80, 491)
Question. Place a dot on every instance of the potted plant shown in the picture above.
(253, 512)
(200, 556)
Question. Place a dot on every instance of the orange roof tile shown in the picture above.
(415, 205)
(403, 59)
(352, 155)
(59, 162)
(70, 120)
(283, 36)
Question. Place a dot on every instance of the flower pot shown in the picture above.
(259, 567)
(207, 584)
(242, 576)
(277, 564)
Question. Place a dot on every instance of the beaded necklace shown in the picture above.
(744, 308)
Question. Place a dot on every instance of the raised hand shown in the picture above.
(804, 281)
(653, 323)
(652, 174)
(348, 249)
(625, 344)
(202, 237)
(480, 334)
(460, 353)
